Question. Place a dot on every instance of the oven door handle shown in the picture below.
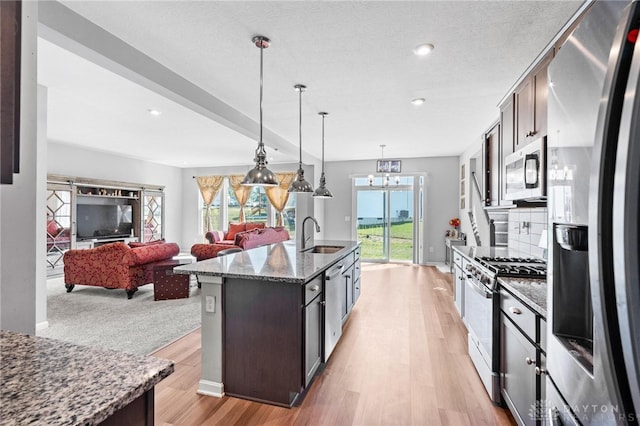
(479, 288)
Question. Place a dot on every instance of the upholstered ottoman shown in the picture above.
(166, 284)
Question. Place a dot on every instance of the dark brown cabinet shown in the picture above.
(507, 137)
(492, 161)
(313, 320)
(531, 105)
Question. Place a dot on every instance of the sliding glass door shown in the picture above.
(386, 220)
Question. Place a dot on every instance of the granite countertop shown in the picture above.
(472, 251)
(531, 291)
(283, 262)
(46, 381)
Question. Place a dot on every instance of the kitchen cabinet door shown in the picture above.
(459, 290)
(313, 338)
(518, 375)
(492, 161)
(541, 99)
(507, 114)
(525, 110)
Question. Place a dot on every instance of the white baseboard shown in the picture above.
(209, 388)
(42, 325)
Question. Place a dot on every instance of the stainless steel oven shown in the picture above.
(479, 309)
(482, 311)
(526, 172)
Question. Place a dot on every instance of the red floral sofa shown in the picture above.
(245, 240)
(116, 265)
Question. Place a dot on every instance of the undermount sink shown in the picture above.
(323, 249)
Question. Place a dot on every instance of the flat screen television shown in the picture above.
(104, 221)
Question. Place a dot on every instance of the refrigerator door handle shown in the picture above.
(614, 116)
(625, 229)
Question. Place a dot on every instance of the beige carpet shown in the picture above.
(95, 316)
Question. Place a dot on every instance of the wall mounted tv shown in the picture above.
(104, 221)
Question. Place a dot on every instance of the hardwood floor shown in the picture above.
(402, 360)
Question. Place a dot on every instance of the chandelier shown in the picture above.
(382, 166)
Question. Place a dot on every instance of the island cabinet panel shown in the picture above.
(263, 340)
(313, 318)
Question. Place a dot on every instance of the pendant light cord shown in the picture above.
(300, 124)
(261, 73)
(322, 143)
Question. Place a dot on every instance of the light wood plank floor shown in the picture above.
(402, 360)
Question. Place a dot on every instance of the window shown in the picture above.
(289, 215)
(258, 206)
(214, 214)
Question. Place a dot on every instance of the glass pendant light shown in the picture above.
(300, 184)
(260, 175)
(322, 191)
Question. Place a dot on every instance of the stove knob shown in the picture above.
(485, 280)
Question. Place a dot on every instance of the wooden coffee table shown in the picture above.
(166, 284)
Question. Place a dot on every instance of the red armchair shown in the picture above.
(115, 265)
(244, 240)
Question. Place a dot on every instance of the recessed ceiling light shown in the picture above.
(154, 111)
(423, 49)
(417, 101)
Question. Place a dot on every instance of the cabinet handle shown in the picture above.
(347, 276)
(323, 303)
(529, 361)
(515, 310)
(315, 288)
(540, 371)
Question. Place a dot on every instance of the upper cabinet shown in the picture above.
(507, 138)
(492, 161)
(530, 99)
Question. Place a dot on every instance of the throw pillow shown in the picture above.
(234, 228)
(243, 235)
(255, 225)
(53, 228)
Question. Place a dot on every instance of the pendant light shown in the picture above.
(300, 184)
(322, 191)
(260, 175)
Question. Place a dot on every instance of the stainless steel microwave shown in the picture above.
(525, 174)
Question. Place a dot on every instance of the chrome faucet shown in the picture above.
(304, 240)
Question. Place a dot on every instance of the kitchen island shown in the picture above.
(45, 381)
(271, 315)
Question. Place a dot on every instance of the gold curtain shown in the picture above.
(241, 192)
(209, 188)
(279, 195)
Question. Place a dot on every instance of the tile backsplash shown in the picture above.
(525, 228)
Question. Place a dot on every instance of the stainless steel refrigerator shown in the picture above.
(593, 175)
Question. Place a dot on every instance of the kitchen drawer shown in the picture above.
(357, 253)
(457, 258)
(349, 259)
(543, 335)
(356, 271)
(312, 289)
(519, 313)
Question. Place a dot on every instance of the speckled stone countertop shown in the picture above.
(532, 292)
(283, 262)
(49, 382)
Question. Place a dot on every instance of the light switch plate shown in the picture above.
(210, 304)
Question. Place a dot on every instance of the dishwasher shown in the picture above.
(333, 311)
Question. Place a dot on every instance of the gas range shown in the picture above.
(486, 269)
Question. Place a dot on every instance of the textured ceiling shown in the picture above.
(355, 57)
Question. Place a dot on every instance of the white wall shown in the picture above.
(41, 206)
(441, 190)
(21, 246)
(75, 161)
